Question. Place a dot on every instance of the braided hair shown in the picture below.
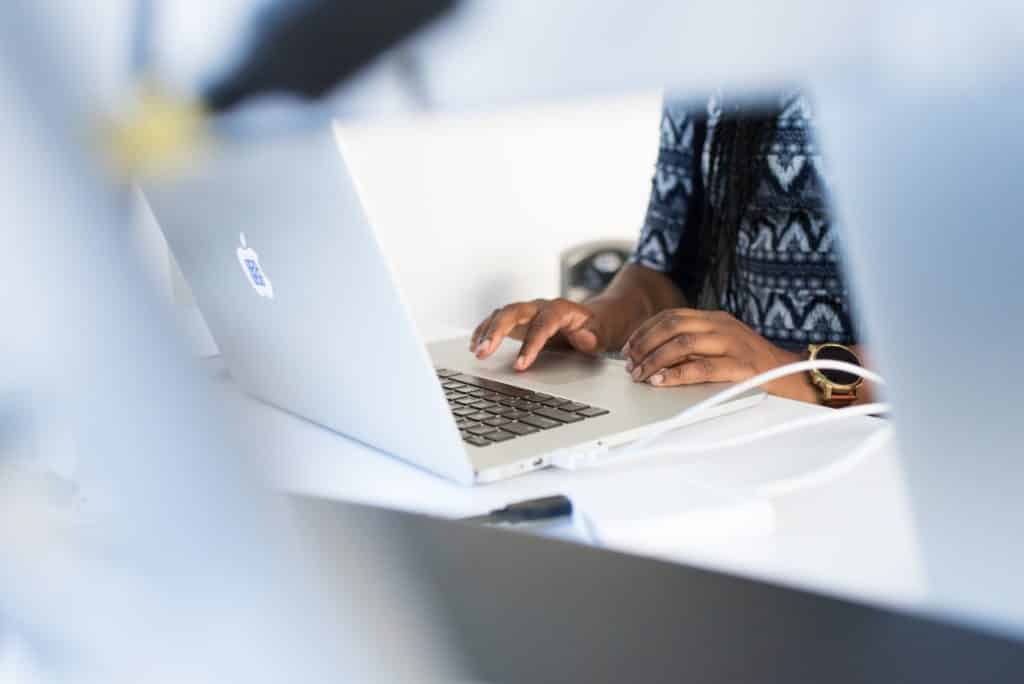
(735, 169)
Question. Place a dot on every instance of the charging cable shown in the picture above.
(616, 457)
(575, 460)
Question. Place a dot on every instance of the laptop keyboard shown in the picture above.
(487, 411)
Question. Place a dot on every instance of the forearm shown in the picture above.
(634, 295)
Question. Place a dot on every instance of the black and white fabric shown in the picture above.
(789, 286)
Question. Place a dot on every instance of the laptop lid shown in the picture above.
(287, 271)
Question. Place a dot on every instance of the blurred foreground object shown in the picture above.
(158, 133)
(191, 570)
(308, 47)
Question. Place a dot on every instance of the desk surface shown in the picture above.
(852, 537)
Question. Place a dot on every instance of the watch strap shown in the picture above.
(839, 399)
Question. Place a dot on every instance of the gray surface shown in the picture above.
(528, 609)
(932, 212)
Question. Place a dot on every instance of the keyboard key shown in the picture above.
(506, 411)
(539, 421)
(524, 405)
(465, 423)
(519, 428)
(451, 384)
(492, 396)
(573, 407)
(445, 372)
(484, 405)
(475, 392)
(592, 412)
(537, 396)
(557, 414)
(479, 416)
(499, 436)
(463, 411)
(481, 430)
(497, 421)
(477, 441)
(465, 401)
(492, 385)
(555, 402)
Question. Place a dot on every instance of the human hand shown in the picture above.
(536, 323)
(691, 346)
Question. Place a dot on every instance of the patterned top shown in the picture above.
(789, 287)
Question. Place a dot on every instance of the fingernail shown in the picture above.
(636, 373)
(629, 366)
(625, 349)
(656, 379)
(521, 362)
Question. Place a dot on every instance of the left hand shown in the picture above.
(691, 346)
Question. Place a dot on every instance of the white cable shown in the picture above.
(741, 440)
(755, 382)
(574, 460)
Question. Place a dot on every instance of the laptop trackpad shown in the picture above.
(550, 368)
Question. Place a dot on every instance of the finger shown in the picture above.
(545, 325)
(474, 340)
(501, 325)
(704, 369)
(588, 338)
(656, 331)
(584, 340)
(680, 349)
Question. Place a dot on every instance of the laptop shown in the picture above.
(287, 271)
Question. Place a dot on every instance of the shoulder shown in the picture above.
(680, 117)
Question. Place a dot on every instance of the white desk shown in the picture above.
(852, 537)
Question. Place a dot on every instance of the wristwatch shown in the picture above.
(836, 388)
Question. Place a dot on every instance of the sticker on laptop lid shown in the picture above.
(250, 262)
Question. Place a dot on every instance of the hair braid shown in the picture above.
(734, 171)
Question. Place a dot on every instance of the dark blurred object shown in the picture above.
(306, 47)
(531, 510)
(525, 608)
(588, 268)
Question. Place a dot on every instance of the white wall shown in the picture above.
(474, 210)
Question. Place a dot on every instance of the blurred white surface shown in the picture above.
(473, 210)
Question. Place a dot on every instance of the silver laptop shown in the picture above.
(293, 285)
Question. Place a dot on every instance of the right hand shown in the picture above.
(536, 323)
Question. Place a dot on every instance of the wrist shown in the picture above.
(796, 386)
(615, 318)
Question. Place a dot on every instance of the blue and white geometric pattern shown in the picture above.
(789, 285)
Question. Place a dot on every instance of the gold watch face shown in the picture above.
(840, 380)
